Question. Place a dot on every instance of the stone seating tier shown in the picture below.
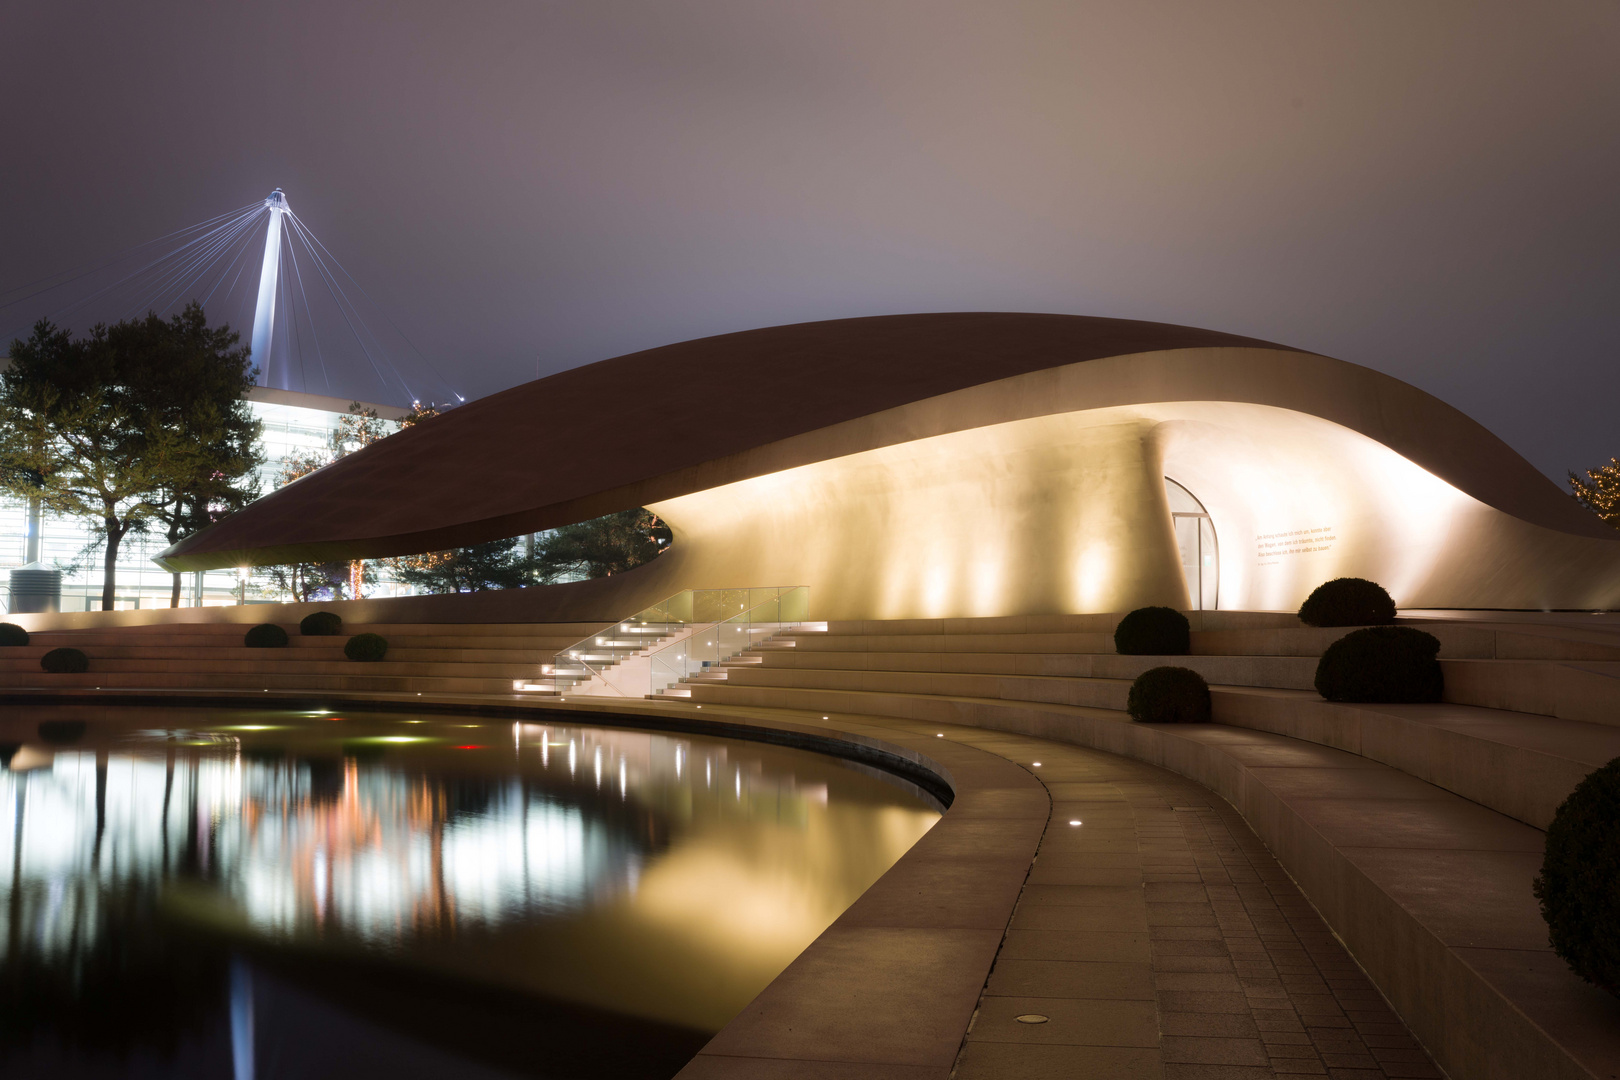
(1415, 830)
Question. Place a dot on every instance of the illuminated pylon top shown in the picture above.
(264, 314)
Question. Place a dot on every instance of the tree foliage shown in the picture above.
(132, 426)
(1169, 695)
(499, 564)
(604, 546)
(357, 429)
(597, 548)
(600, 547)
(1153, 631)
(1382, 664)
(1348, 601)
(1599, 490)
(1579, 884)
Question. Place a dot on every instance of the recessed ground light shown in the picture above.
(1036, 764)
(1032, 1018)
(941, 735)
(700, 706)
(1074, 823)
(826, 718)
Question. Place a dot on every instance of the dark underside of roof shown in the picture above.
(618, 422)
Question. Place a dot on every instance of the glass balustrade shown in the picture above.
(772, 611)
(673, 638)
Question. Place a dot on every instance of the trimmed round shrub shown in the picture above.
(1169, 695)
(12, 634)
(321, 624)
(366, 647)
(1153, 631)
(1579, 885)
(265, 636)
(1348, 601)
(65, 662)
(1387, 664)
(62, 732)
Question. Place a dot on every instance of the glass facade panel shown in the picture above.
(1195, 538)
(70, 544)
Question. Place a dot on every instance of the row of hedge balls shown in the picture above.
(1163, 631)
(1579, 884)
(57, 661)
(365, 647)
(1377, 664)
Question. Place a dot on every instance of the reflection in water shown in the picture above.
(404, 883)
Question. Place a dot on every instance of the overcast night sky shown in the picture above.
(1432, 190)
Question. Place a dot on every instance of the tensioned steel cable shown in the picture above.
(336, 290)
(431, 366)
(292, 250)
(111, 260)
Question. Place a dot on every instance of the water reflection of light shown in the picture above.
(672, 900)
(383, 858)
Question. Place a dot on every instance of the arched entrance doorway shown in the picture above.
(1200, 555)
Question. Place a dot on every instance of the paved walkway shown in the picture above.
(1159, 938)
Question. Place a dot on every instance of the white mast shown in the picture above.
(264, 316)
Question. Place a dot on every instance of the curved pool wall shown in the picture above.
(288, 969)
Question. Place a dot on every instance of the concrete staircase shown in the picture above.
(747, 660)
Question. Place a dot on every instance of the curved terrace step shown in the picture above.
(1586, 691)
(357, 677)
(88, 640)
(1431, 891)
(336, 664)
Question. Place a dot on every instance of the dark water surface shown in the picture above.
(255, 895)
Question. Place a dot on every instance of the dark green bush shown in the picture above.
(8, 750)
(65, 662)
(265, 636)
(62, 732)
(1169, 695)
(1579, 886)
(1389, 664)
(12, 634)
(1348, 601)
(1153, 631)
(366, 647)
(321, 624)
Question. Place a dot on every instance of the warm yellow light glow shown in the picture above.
(1067, 513)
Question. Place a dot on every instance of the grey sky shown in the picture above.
(1428, 189)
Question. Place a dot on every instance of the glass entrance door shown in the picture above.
(1195, 537)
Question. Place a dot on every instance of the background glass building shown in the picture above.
(294, 423)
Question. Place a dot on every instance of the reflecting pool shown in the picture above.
(196, 893)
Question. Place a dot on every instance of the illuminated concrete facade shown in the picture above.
(1009, 464)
